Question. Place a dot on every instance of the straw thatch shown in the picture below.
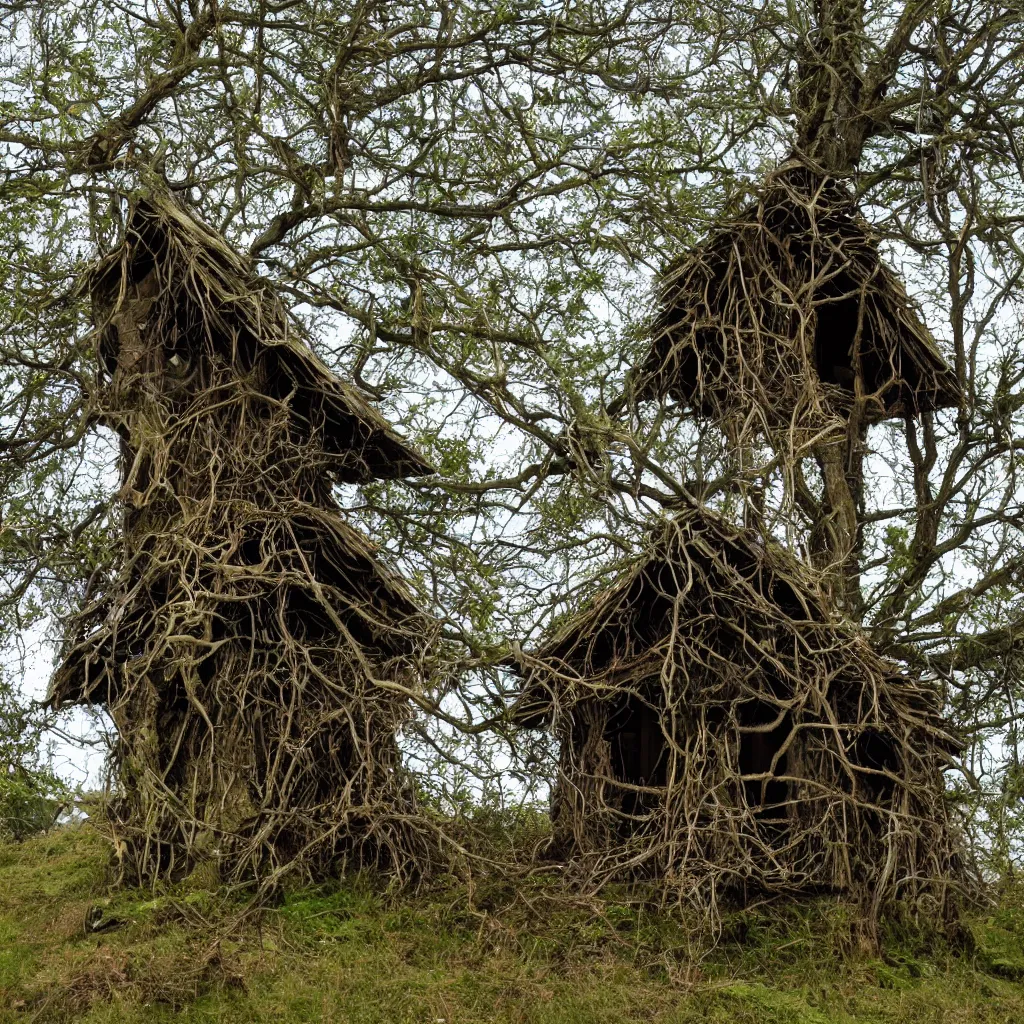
(722, 730)
(787, 318)
(248, 326)
(255, 656)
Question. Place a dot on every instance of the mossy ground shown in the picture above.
(352, 953)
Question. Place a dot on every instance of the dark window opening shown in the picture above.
(638, 751)
(875, 751)
(308, 621)
(757, 752)
(109, 348)
(883, 372)
(834, 335)
(785, 597)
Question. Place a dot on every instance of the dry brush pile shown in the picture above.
(786, 322)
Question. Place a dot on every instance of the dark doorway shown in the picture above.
(758, 750)
(638, 750)
(834, 334)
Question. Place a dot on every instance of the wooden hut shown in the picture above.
(788, 311)
(254, 653)
(723, 730)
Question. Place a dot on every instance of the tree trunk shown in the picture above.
(832, 125)
(832, 128)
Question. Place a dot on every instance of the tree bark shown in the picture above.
(833, 97)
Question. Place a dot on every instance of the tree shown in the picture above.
(465, 203)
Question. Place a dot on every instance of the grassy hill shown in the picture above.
(72, 950)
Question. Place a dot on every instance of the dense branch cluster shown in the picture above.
(788, 321)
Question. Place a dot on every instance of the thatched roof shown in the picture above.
(801, 257)
(715, 596)
(213, 286)
(321, 569)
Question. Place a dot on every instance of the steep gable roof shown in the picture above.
(735, 316)
(212, 285)
(703, 585)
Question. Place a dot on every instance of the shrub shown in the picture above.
(30, 802)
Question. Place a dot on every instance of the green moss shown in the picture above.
(758, 1004)
(65, 862)
(353, 953)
